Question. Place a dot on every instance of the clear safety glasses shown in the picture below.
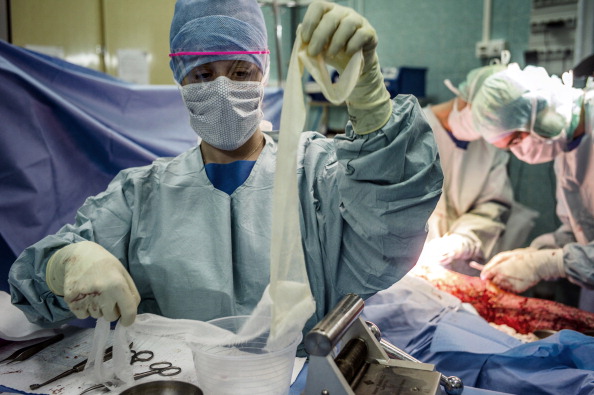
(198, 67)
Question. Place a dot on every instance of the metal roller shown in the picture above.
(324, 336)
(362, 366)
(351, 359)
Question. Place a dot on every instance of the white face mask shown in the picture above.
(224, 113)
(461, 123)
(535, 149)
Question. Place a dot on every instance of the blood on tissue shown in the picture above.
(495, 305)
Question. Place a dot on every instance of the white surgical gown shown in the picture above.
(195, 252)
(477, 194)
(574, 172)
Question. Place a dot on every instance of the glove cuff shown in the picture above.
(54, 271)
(553, 267)
(369, 104)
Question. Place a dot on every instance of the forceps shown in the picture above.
(27, 352)
(160, 368)
(79, 367)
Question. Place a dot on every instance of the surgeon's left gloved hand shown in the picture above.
(520, 269)
(448, 248)
(93, 282)
(338, 32)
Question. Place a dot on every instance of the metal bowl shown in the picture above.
(544, 333)
(163, 387)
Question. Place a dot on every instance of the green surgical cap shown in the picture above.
(524, 100)
(474, 80)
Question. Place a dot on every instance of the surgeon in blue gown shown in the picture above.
(189, 237)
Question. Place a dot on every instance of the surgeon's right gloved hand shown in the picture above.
(93, 282)
(338, 32)
(446, 249)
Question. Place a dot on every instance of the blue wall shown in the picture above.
(441, 35)
(437, 34)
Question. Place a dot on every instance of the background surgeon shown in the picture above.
(540, 119)
(189, 237)
(470, 219)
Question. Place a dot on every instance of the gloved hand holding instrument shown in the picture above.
(93, 282)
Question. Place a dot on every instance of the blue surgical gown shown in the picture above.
(195, 252)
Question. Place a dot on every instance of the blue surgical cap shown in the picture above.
(216, 26)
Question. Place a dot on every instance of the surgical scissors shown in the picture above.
(161, 368)
(141, 356)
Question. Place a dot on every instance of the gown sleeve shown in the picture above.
(485, 221)
(370, 206)
(104, 219)
(578, 258)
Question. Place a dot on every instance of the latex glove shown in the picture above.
(520, 269)
(93, 282)
(337, 32)
(448, 248)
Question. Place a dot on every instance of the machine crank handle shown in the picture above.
(453, 385)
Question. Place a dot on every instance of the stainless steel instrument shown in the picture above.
(347, 358)
(27, 352)
(79, 367)
(161, 368)
(452, 384)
